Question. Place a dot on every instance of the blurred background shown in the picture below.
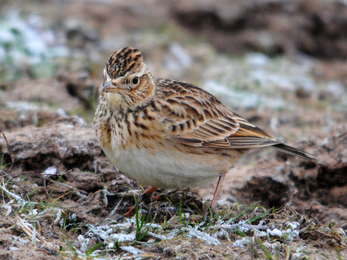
(280, 64)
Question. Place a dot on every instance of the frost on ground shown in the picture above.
(85, 206)
(138, 237)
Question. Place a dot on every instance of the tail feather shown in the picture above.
(293, 151)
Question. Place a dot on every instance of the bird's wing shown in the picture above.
(196, 118)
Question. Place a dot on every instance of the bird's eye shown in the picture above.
(135, 81)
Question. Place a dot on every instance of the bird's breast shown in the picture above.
(140, 149)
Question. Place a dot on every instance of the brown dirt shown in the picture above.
(88, 186)
(314, 27)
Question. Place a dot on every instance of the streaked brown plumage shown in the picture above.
(170, 134)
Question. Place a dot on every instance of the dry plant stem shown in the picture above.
(19, 222)
(73, 189)
(128, 194)
(9, 150)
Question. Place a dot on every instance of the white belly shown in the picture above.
(158, 163)
(163, 169)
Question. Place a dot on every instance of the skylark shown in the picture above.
(170, 134)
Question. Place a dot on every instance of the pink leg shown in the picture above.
(218, 190)
(150, 191)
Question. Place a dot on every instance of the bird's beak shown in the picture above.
(109, 87)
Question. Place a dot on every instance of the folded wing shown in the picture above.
(196, 118)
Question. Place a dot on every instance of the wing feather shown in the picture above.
(197, 115)
(197, 119)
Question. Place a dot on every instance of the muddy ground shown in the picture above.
(54, 160)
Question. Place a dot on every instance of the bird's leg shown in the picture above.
(218, 190)
(148, 192)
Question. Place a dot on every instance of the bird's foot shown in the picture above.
(145, 196)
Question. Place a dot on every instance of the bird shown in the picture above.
(170, 134)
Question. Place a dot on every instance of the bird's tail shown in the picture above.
(293, 151)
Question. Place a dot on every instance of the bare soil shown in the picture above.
(88, 186)
(84, 184)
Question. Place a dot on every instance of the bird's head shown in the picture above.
(127, 83)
